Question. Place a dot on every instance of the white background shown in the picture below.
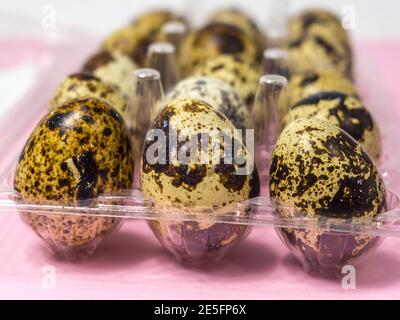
(374, 18)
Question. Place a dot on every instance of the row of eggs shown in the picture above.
(82, 147)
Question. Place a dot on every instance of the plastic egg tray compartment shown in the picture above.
(211, 241)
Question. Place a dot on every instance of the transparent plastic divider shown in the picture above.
(161, 56)
(275, 61)
(132, 204)
(175, 32)
(270, 106)
(147, 91)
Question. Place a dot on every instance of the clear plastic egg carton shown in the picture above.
(200, 236)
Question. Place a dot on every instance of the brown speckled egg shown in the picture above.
(197, 184)
(213, 40)
(218, 94)
(312, 20)
(112, 67)
(239, 73)
(319, 169)
(86, 85)
(132, 41)
(345, 111)
(309, 83)
(321, 51)
(77, 151)
(243, 21)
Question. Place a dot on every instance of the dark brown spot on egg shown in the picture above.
(309, 19)
(98, 60)
(89, 171)
(318, 97)
(329, 48)
(355, 198)
(115, 114)
(217, 67)
(63, 183)
(107, 132)
(309, 79)
(355, 121)
(115, 171)
(64, 166)
(84, 76)
(88, 119)
(57, 120)
(229, 177)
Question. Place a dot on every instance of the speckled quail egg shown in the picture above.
(243, 21)
(321, 51)
(86, 85)
(77, 151)
(309, 83)
(213, 40)
(345, 111)
(324, 173)
(132, 41)
(197, 183)
(239, 73)
(112, 67)
(312, 20)
(218, 94)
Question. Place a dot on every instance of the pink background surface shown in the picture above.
(132, 264)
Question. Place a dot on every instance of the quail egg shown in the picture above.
(112, 67)
(132, 41)
(309, 83)
(324, 173)
(313, 20)
(236, 71)
(243, 21)
(218, 94)
(213, 40)
(77, 151)
(322, 51)
(86, 85)
(345, 111)
(198, 182)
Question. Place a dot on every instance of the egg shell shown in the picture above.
(112, 67)
(218, 94)
(306, 84)
(81, 85)
(132, 41)
(312, 20)
(321, 51)
(243, 21)
(77, 151)
(196, 185)
(213, 40)
(319, 169)
(345, 111)
(239, 73)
